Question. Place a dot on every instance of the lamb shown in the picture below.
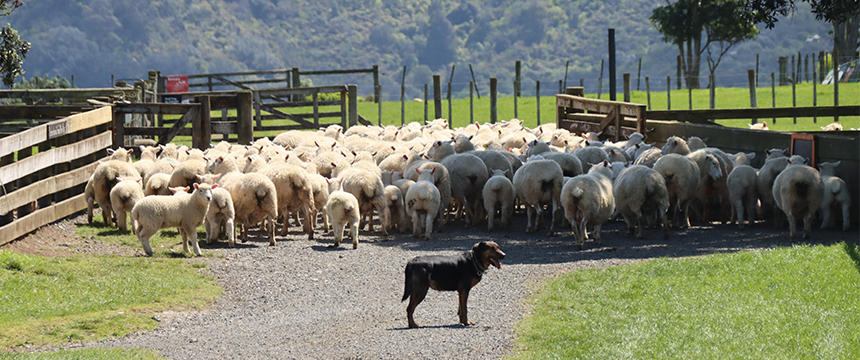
(495, 160)
(498, 194)
(368, 189)
(712, 183)
(120, 154)
(590, 155)
(641, 191)
(648, 157)
(123, 196)
(320, 186)
(394, 201)
(104, 178)
(834, 126)
(835, 194)
(463, 143)
(742, 158)
(741, 184)
(682, 182)
(158, 184)
(422, 203)
(442, 180)
(616, 154)
(185, 212)
(468, 173)
(762, 126)
(696, 143)
(775, 153)
(294, 193)
(676, 145)
(185, 174)
(536, 147)
(588, 202)
(570, 165)
(764, 184)
(254, 196)
(90, 196)
(440, 149)
(536, 183)
(797, 191)
(221, 215)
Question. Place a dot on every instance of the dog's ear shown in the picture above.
(478, 246)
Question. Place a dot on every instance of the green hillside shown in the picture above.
(96, 38)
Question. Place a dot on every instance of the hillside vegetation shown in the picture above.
(97, 38)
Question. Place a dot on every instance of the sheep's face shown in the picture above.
(205, 190)
(712, 167)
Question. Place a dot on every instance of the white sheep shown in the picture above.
(536, 147)
(696, 143)
(158, 184)
(255, 197)
(495, 160)
(797, 191)
(498, 194)
(221, 215)
(676, 145)
(648, 157)
(463, 143)
(537, 183)
(588, 202)
(422, 203)
(741, 184)
(762, 126)
(776, 153)
(394, 201)
(682, 182)
(742, 158)
(186, 172)
(294, 193)
(570, 165)
(834, 126)
(440, 149)
(835, 194)
(123, 196)
(153, 213)
(712, 184)
(641, 191)
(104, 178)
(468, 174)
(764, 185)
(343, 209)
(442, 180)
(368, 189)
(320, 185)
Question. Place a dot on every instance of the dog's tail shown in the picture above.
(407, 288)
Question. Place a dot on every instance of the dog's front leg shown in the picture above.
(462, 312)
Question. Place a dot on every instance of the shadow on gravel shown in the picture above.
(449, 326)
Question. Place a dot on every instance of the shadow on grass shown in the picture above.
(853, 253)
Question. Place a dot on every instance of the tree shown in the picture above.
(13, 48)
(683, 23)
(844, 15)
(441, 48)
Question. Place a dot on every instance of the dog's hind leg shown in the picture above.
(462, 311)
(417, 296)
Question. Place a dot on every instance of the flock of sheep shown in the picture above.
(431, 175)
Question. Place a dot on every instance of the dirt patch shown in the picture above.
(61, 239)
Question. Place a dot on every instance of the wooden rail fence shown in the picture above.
(707, 116)
(43, 187)
(581, 114)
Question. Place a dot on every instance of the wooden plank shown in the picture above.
(23, 139)
(40, 111)
(154, 108)
(329, 72)
(41, 217)
(88, 119)
(238, 73)
(596, 105)
(747, 113)
(46, 187)
(302, 103)
(81, 93)
(243, 82)
(284, 115)
(54, 156)
(184, 120)
(221, 127)
(303, 91)
(609, 118)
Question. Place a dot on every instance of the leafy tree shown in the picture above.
(43, 82)
(441, 48)
(13, 48)
(683, 23)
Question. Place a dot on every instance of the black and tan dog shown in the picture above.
(449, 273)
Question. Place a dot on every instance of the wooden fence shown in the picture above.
(707, 116)
(66, 96)
(48, 185)
(581, 114)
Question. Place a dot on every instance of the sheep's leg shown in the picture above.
(416, 221)
(184, 237)
(107, 213)
(750, 203)
(738, 207)
(353, 229)
(243, 233)
(491, 213)
(507, 209)
(664, 222)
(212, 230)
(552, 218)
(529, 215)
(90, 206)
(192, 234)
(384, 217)
(230, 229)
(807, 224)
(338, 233)
(297, 220)
(143, 235)
(792, 225)
(271, 230)
(428, 226)
(325, 220)
(309, 222)
(826, 220)
(581, 232)
(846, 222)
(285, 229)
(597, 233)
(120, 220)
(539, 210)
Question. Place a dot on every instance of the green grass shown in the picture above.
(785, 303)
(50, 301)
(85, 354)
(165, 243)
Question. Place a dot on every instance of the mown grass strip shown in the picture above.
(786, 303)
(85, 354)
(49, 301)
(165, 243)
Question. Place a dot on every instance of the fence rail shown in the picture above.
(582, 114)
(47, 186)
(708, 115)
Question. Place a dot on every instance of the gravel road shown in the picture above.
(301, 299)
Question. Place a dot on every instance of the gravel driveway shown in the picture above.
(301, 299)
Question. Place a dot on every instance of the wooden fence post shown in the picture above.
(753, 100)
(403, 97)
(599, 81)
(296, 82)
(668, 93)
(353, 104)
(581, 82)
(793, 71)
(379, 105)
(343, 122)
(626, 78)
(690, 97)
(258, 112)
(315, 97)
(794, 95)
(244, 115)
(516, 114)
(712, 89)
(814, 89)
(493, 97)
(437, 97)
(537, 100)
(756, 70)
(201, 127)
(822, 71)
(678, 66)
(566, 64)
(450, 117)
(560, 87)
(772, 94)
(377, 90)
(471, 103)
(118, 126)
(835, 83)
(478, 92)
(799, 68)
(517, 78)
(806, 67)
(648, 92)
(638, 74)
(426, 100)
(783, 70)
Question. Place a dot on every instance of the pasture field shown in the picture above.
(795, 302)
(85, 354)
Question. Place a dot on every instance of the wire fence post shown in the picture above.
(494, 83)
(668, 93)
(753, 101)
(426, 99)
(537, 100)
(471, 103)
(648, 92)
(773, 93)
(516, 98)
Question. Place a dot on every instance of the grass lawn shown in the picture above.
(165, 243)
(786, 303)
(85, 354)
(51, 301)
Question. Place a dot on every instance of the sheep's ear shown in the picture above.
(131, 151)
(418, 172)
(433, 171)
(218, 177)
(111, 151)
(353, 153)
(327, 181)
(405, 157)
(540, 130)
(836, 163)
(196, 186)
(477, 125)
(508, 172)
(199, 177)
(220, 158)
(188, 188)
(333, 164)
(316, 143)
(118, 178)
(751, 155)
(214, 186)
(524, 139)
(605, 163)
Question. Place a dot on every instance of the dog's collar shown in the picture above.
(477, 265)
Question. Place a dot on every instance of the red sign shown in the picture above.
(177, 83)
